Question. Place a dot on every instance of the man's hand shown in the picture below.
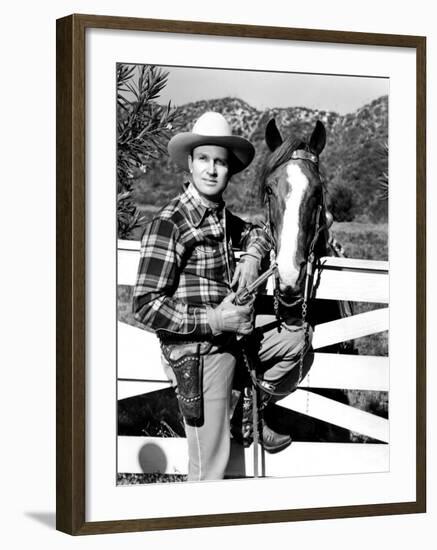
(246, 272)
(227, 317)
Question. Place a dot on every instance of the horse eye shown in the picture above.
(269, 190)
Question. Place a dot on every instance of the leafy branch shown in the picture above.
(143, 130)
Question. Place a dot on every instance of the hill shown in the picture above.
(352, 157)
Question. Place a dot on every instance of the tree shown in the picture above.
(143, 129)
(341, 203)
(383, 178)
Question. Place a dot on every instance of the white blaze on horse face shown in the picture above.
(288, 266)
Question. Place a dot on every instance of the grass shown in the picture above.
(124, 305)
(140, 479)
(363, 240)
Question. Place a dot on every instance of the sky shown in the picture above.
(261, 89)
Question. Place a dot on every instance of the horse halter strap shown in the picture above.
(311, 254)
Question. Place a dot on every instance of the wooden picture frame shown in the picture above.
(71, 273)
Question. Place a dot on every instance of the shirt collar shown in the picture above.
(198, 207)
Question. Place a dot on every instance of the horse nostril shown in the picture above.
(289, 290)
(284, 288)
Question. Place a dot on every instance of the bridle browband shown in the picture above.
(305, 155)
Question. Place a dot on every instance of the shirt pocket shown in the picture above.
(208, 260)
(206, 251)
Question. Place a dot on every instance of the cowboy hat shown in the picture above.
(211, 129)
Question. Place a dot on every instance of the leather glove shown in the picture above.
(227, 317)
(246, 272)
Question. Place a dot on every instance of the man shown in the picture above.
(184, 292)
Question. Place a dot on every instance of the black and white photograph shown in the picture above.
(218, 294)
(252, 274)
(241, 267)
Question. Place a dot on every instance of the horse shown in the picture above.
(293, 191)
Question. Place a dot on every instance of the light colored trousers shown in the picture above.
(209, 445)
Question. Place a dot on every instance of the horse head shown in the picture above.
(293, 188)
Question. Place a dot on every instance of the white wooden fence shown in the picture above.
(140, 371)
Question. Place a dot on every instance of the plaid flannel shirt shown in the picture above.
(186, 264)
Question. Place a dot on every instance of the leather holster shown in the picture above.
(187, 364)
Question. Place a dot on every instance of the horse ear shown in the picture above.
(318, 138)
(273, 137)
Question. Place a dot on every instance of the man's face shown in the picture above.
(209, 167)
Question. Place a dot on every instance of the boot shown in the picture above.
(272, 441)
(242, 425)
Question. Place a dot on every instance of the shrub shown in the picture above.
(341, 203)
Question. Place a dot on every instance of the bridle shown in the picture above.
(310, 261)
(310, 257)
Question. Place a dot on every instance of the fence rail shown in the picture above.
(137, 455)
(140, 372)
